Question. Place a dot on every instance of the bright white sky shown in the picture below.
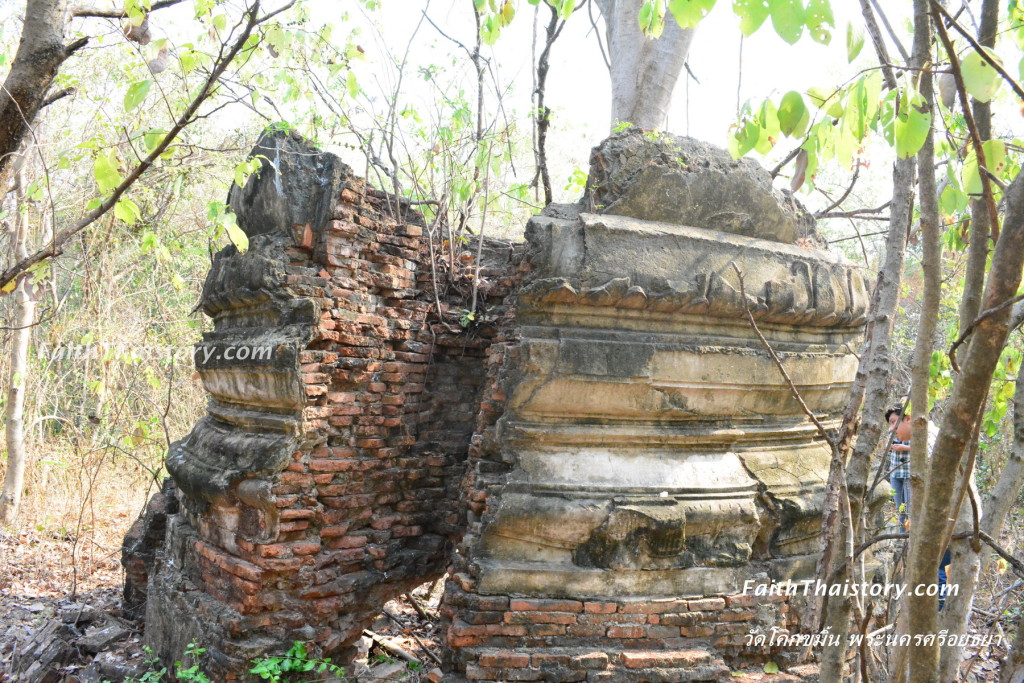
(578, 86)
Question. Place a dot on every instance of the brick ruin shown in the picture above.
(599, 462)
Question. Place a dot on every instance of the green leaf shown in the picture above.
(912, 123)
(104, 170)
(862, 104)
(793, 115)
(788, 19)
(995, 156)
(149, 242)
(995, 160)
(652, 18)
(820, 21)
(827, 99)
(854, 41)
(188, 60)
(236, 234)
(768, 121)
(688, 13)
(752, 14)
(220, 22)
(980, 77)
(771, 668)
(952, 200)
(744, 139)
(136, 94)
(127, 211)
(566, 8)
(351, 84)
(152, 138)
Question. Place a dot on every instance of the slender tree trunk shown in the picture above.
(966, 563)
(875, 365)
(981, 222)
(643, 72)
(931, 266)
(40, 54)
(24, 317)
(965, 408)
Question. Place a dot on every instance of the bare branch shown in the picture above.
(856, 213)
(980, 50)
(58, 95)
(778, 363)
(224, 60)
(974, 323)
(115, 13)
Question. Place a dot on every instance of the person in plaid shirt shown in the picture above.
(899, 462)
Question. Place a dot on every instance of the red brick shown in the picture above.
(706, 605)
(585, 630)
(540, 618)
(626, 631)
(305, 548)
(653, 607)
(523, 605)
(740, 601)
(667, 660)
(600, 607)
(503, 658)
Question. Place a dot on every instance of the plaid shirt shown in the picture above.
(899, 461)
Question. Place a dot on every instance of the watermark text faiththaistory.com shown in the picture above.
(848, 590)
(201, 353)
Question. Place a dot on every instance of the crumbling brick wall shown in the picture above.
(325, 479)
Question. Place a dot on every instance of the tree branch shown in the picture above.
(114, 13)
(974, 323)
(61, 238)
(58, 95)
(981, 50)
(972, 126)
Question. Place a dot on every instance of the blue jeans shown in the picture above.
(943, 563)
(901, 496)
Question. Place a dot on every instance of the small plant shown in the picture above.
(192, 673)
(577, 180)
(468, 317)
(154, 675)
(295, 661)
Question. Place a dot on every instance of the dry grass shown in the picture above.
(73, 519)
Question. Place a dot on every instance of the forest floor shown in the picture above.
(46, 600)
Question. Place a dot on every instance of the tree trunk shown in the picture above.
(643, 71)
(967, 564)
(24, 317)
(931, 266)
(876, 365)
(40, 54)
(966, 405)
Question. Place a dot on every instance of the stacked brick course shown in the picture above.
(505, 638)
(361, 504)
